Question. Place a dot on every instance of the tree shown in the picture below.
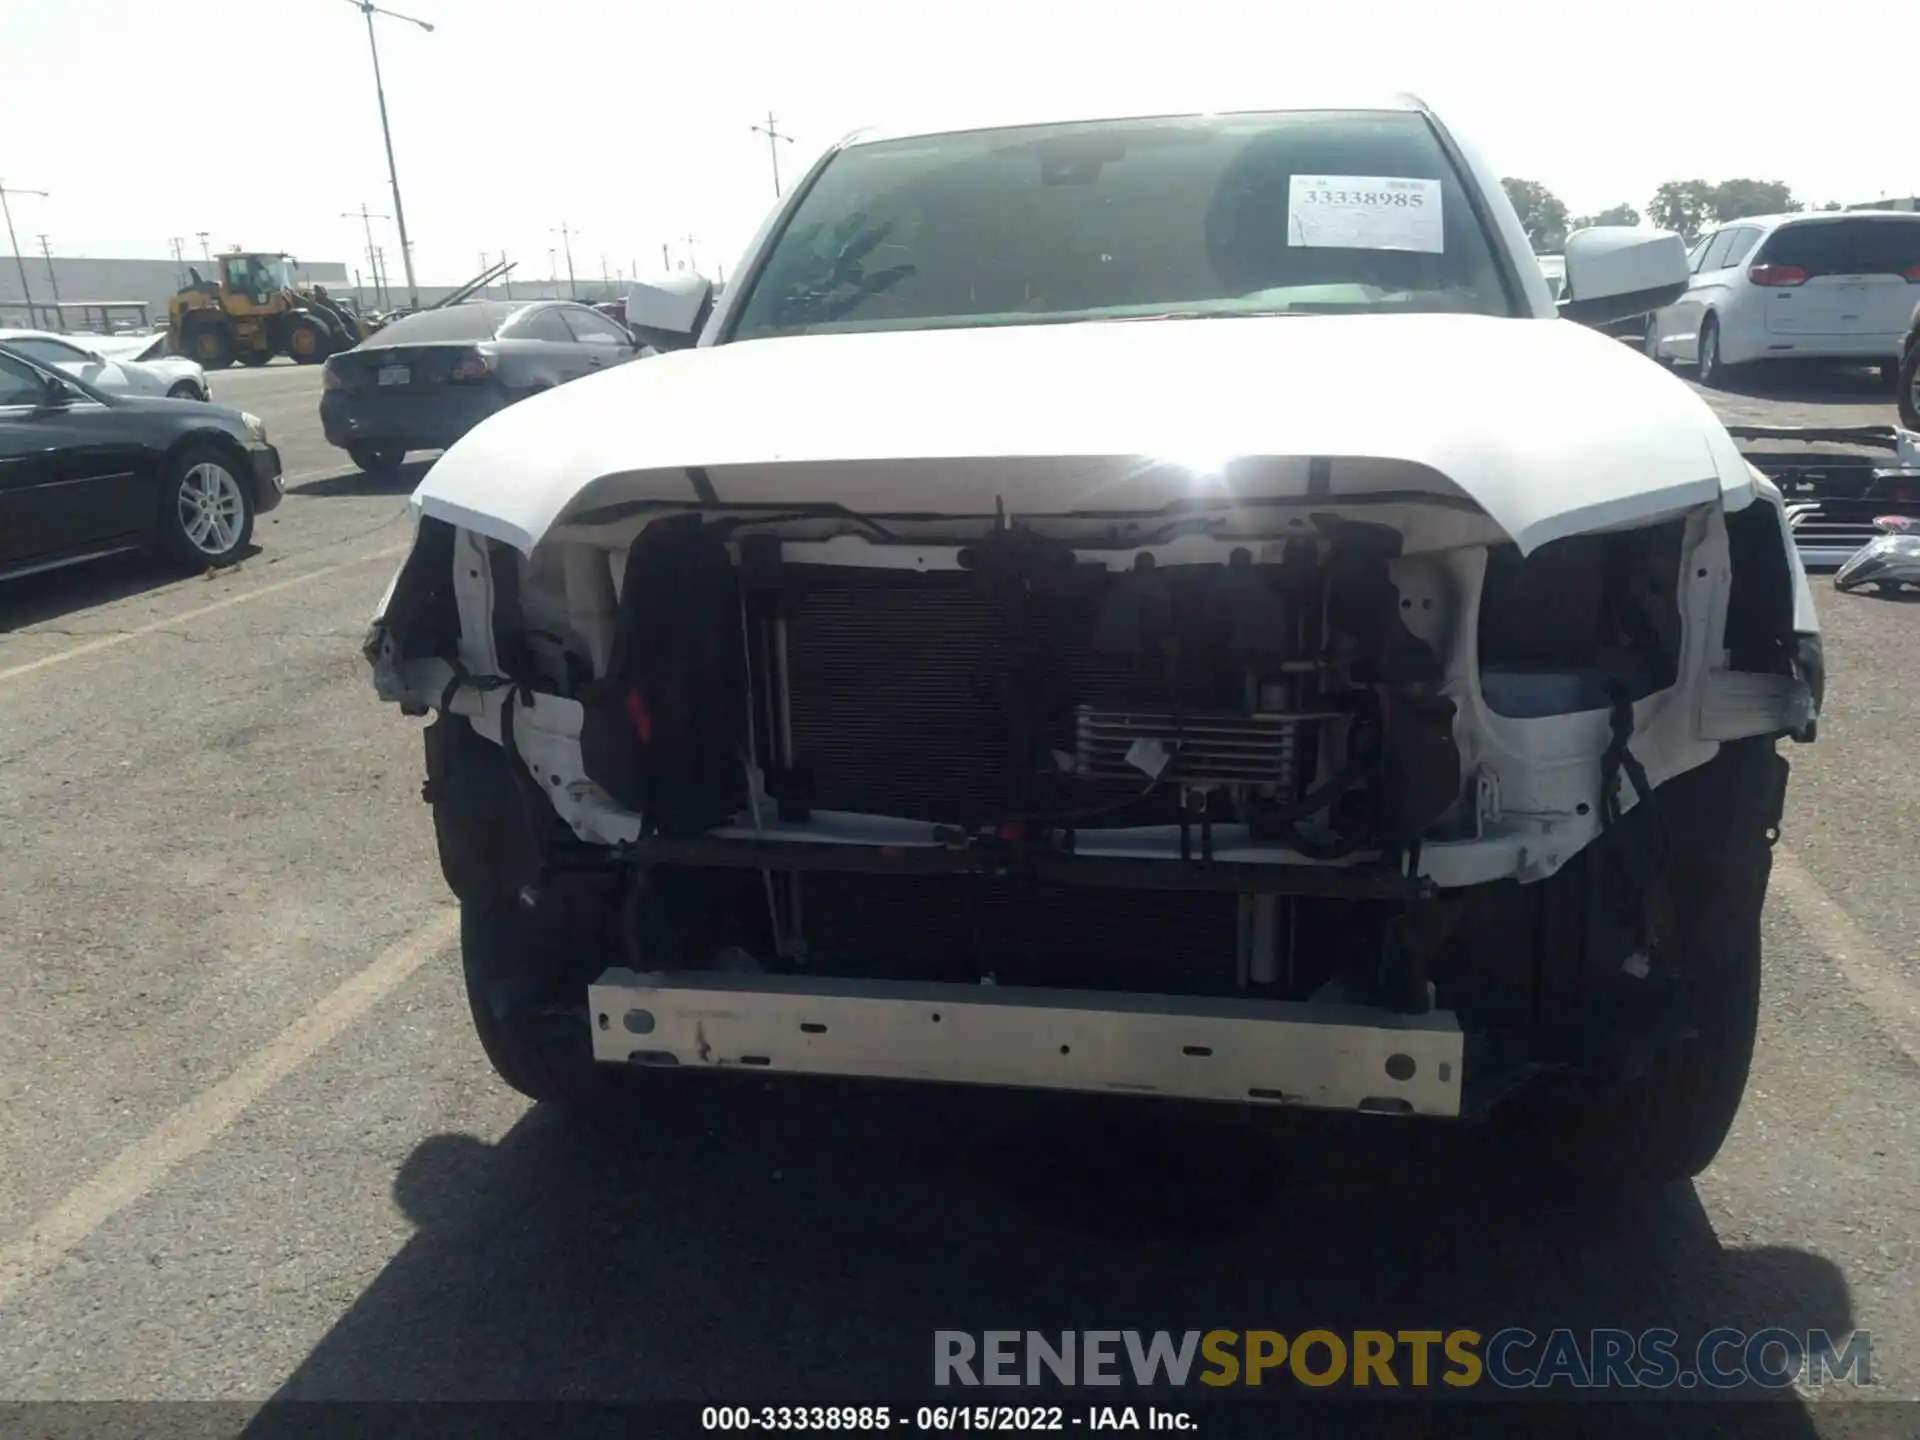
(1734, 199)
(1682, 205)
(1543, 215)
(1621, 214)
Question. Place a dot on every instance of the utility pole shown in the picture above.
(553, 269)
(666, 260)
(26, 290)
(369, 10)
(774, 137)
(367, 217)
(692, 262)
(380, 276)
(205, 253)
(506, 277)
(52, 279)
(566, 243)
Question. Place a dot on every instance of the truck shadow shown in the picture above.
(803, 1242)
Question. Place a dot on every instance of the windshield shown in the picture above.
(1214, 215)
(278, 270)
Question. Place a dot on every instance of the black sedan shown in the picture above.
(427, 379)
(84, 473)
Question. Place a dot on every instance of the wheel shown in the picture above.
(1908, 394)
(206, 509)
(377, 459)
(211, 346)
(1650, 342)
(528, 1012)
(1710, 369)
(257, 358)
(1667, 1124)
(185, 390)
(307, 342)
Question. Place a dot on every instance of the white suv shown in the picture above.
(1809, 287)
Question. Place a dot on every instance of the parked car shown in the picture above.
(425, 380)
(1020, 644)
(1909, 378)
(1795, 287)
(85, 473)
(112, 364)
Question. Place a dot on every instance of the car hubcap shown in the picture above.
(211, 510)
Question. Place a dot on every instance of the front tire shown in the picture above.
(526, 1014)
(307, 342)
(1909, 388)
(1650, 344)
(206, 509)
(210, 345)
(377, 459)
(1667, 1124)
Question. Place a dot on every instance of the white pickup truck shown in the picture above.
(1166, 606)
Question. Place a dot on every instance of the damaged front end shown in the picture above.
(1266, 793)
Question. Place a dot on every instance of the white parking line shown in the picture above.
(1876, 980)
(165, 622)
(200, 1121)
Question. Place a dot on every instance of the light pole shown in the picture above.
(566, 244)
(369, 9)
(774, 137)
(26, 291)
(206, 254)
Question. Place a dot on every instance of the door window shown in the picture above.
(1716, 256)
(539, 325)
(592, 329)
(20, 384)
(1743, 239)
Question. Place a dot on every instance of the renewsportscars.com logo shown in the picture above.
(1509, 1359)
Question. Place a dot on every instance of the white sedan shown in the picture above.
(118, 374)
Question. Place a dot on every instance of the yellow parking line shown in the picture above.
(200, 1121)
(120, 637)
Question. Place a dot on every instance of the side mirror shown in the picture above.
(1614, 272)
(57, 394)
(673, 308)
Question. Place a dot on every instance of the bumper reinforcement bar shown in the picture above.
(1262, 1052)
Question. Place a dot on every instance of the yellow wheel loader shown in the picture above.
(253, 310)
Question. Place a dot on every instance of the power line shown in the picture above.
(771, 131)
(566, 235)
(46, 253)
(26, 291)
(367, 217)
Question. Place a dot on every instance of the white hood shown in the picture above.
(1551, 428)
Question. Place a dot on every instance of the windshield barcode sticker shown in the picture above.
(1365, 212)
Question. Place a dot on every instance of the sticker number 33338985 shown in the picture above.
(1365, 212)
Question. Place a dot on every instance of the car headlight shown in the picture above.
(256, 427)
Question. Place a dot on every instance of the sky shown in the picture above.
(630, 121)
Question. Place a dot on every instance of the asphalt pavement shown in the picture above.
(249, 1146)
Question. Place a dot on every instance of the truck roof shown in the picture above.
(1278, 100)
